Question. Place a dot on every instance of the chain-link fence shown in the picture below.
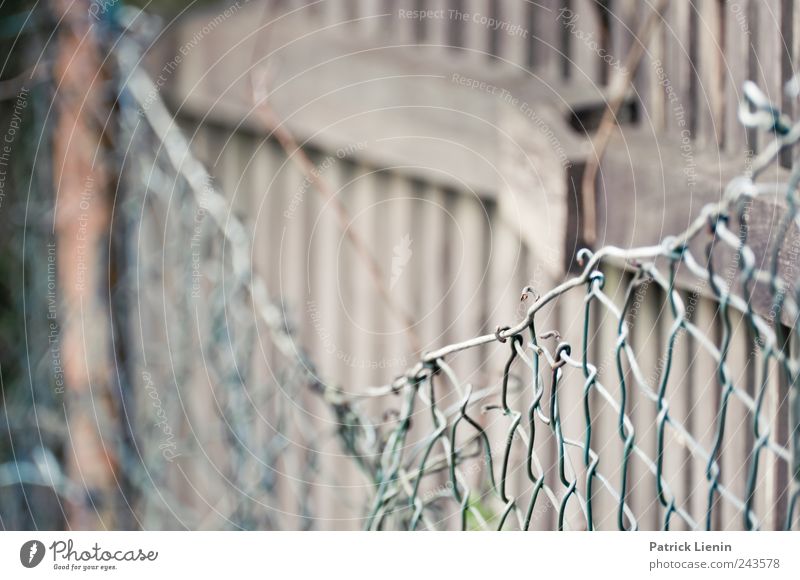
(545, 361)
(457, 460)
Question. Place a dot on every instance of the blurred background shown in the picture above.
(229, 227)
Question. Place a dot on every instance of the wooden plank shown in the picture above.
(500, 306)
(794, 424)
(639, 174)
(584, 41)
(709, 95)
(357, 345)
(547, 47)
(606, 440)
(405, 30)
(476, 37)
(738, 426)
(512, 32)
(533, 201)
(319, 314)
(359, 89)
(373, 18)
(677, 68)
(438, 28)
(705, 403)
(793, 58)
(255, 396)
(787, 51)
(644, 314)
(467, 267)
(467, 258)
(431, 280)
(434, 283)
(571, 390)
(772, 482)
(236, 152)
(737, 47)
(333, 13)
(292, 293)
(769, 45)
(784, 437)
(399, 254)
(654, 105)
(679, 472)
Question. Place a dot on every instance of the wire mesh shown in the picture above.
(415, 481)
(541, 358)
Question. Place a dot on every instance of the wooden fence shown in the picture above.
(459, 163)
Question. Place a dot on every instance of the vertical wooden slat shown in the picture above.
(466, 265)
(263, 386)
(677, 68)
(606, 440)
(503, 264)
(399, 259)
(738, 424)
(320, 315)
(513, 34)
(770, 486)
(234, 153)
(648, 343)
(794, 58)
(292, 293)
(584, 42)
(433, 282)
(431, 287)
(709, 96)
(353, 288)
(522, 484)
(406, 30)
(438, 30)
(764, 497)
(703, 413)
(788, 32)
(476, 37)
(622, 27)
(678, 468)
(654, 99)
(467, 274)
(783, 437)
(333, 12)
(768, 45)
(737, 45)
(385, 327)
(362, 345)
(570, 325)
(372, 17)
(794, 444)
(546, 52)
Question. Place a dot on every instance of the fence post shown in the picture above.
(82, 216)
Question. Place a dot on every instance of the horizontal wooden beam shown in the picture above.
(423, 111)
(481, 128)
(652, 186)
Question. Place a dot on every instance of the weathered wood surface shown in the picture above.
(433, 119)
(487, 191)
(653, 186)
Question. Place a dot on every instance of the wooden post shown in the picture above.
(82, 224)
